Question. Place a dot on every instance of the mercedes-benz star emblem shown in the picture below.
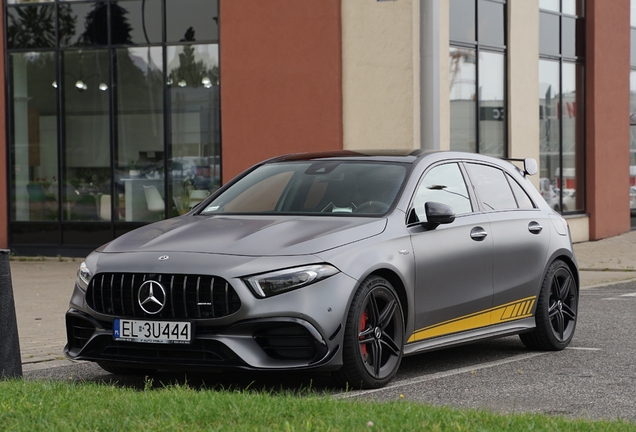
(151, 297)
(163, 257)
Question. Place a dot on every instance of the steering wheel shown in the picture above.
(373, 207)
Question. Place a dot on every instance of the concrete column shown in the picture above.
(523, 80)
(380, 74)
(434, 75)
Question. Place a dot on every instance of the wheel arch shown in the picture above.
(571, 265)
(397, 283)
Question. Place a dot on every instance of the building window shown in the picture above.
(478, 76)
(109, 103)
(632, 117)
(561, 108)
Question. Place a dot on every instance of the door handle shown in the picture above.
(534, 227)
(478, 233)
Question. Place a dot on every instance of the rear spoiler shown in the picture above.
(530, 166)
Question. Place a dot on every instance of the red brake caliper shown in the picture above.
(363, 325)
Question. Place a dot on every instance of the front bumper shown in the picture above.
(260, 344)
(301, 329)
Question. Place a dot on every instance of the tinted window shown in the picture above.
(523, 200)
(322, 187)
(462, 20)
(444, 184)
(492, 188)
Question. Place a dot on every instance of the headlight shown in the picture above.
(84, 276)
(280, 281)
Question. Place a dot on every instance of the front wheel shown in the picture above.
(557, 310)
(374, 336)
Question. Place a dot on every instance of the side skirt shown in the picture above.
(499, 330)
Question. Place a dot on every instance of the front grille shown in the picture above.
(187, 296)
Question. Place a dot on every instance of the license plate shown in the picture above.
(152, 331)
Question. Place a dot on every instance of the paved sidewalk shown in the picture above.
(42, 289)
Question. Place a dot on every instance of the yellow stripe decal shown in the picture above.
(499, 314)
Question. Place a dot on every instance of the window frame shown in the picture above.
(578, 61)
(478, 47)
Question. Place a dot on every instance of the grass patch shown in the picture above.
(54, 405)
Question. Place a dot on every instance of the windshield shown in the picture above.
(307, 187)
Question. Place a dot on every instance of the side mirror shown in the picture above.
(438, 214)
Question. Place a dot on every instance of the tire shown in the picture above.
(556, 312)
(374, 336)
(121, 370)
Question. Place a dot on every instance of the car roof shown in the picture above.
(397, 155)
(394, 155)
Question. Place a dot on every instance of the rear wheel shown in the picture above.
(374, 336)
(557, 310)
(120, 370)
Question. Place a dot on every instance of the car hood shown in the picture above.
(247, 235)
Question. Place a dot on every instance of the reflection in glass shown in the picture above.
(573, 7)
(192, 20)
(549, 120)
(34, 192)
(491, 23)
(568, 36)
(462, 20)
(561, 122)
(140, 22)
(194, 165)
(571, 181)
(632, 146)
(551, 5)
(87, 141)
(31, 26)
(140, 145)
(463, 81)
(83, 24)
(549, 34)
(444, 184)
(632, 47)
(491, 104)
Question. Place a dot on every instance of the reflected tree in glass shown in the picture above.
(96, 32)
(31, 27)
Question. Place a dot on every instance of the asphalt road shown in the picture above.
(594, 378)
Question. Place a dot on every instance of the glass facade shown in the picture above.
(478, 76)
(561, 107)
(632, 117)
(113, 116)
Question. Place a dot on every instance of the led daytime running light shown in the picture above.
(270, 284)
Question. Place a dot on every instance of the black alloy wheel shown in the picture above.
(374, 336)
(556, 312)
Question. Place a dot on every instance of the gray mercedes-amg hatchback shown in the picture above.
(341, 262)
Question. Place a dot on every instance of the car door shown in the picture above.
(453, 262)
(519, 233)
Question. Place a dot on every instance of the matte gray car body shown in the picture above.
(479, 276)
